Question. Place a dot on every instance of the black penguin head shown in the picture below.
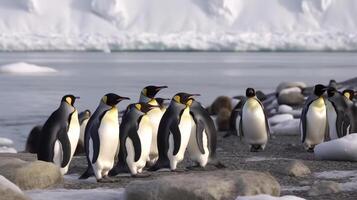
(184, 98)
(319, 90)
(250, 92)
(349, 94)
(87, 113)
(112, 99)
(70, 99)
(331, 91)
(161, 101)
(144, 107)
(333, 83)
(151, 90)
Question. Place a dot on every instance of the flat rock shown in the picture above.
(294, 168)
(276, 119)
(30, 175)
(291, 96)
(204, 186)
(324, 187)
(10, 191)
(284, 109)
(285, 85)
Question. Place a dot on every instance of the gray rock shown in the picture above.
(294, 168)
(30, 175)
(204, 186)
(284, 109)
(277, 119)
(220, 103)
(291, 96)
(222, 119)
(289, 127)
(10, 191)
(324, 187)
(285, 85)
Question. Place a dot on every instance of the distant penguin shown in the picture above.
(314, 126)
(102, 138)
(147, 95)
(135, 140)
(174, 132)
(234, 119)
(83, 120)
(349, 94)
(60, 134)
(336, 108)
(203, 140)
(254, 126)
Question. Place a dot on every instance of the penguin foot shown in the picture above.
(256, 148)
(195, 168)
(118, 170)
(310, 150)
(143, 175)
(106, 179)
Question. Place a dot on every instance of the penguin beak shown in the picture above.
(161, 87)
(77, 97)
(194, 95)
(122, 98)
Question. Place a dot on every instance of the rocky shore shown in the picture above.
(284, 168)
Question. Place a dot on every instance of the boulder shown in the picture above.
(285, 85)
(30, 175)
(324, 187)
(284, 109)
(33, 139)
(277, 119)
(10, 191)
(294, 168)
(291, 96)
(209, 186)
(223, 119)
(288, 127)
(220, 103)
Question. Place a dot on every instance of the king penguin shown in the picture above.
(174, 132)
(336, 107)
(102, 138)
(314, 126)
(59, 135)
(83, 120)
(147, 95)
(254, 126)
(203, 139)
(135, 139)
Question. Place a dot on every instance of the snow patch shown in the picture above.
(7, 150)
(276, 119)
(6, 142)
(25, 68)
(111, 10)
(85, 194)
(343, 149)
(268, 197)
(350, 185)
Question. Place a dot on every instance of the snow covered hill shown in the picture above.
(237, 25)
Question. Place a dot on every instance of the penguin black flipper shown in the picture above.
(133, 135)
(241, 133)
(199, 132)
(96, 140)
(66, 146)
(266, 119)
(174, 129)
(303, 117)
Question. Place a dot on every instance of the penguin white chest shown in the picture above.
(74, 132)
(254, 123)
(155, 116)
(316, 122)
(109, 138)
(332, 118)
(193, 149)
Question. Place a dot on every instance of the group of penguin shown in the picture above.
(327, 115)
(148, 135)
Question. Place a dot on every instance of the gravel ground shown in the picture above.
(235, 155)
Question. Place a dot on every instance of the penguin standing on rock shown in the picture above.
(314, 125)
(59, 135)
(174, 132)
(102, 138)
(254, 126)
(135, 140)
(147, 95)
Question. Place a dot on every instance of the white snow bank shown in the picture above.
(288, 127)
(343, 149)
(25, 68)
(8, 185)
(85, 194)
(7, 150)
(350, 185)
(232, 25)
(268, 197)
(276, 119)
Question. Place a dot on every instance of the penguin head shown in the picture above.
(70, 99)
(333, 83)
(112, 99)
(87, 113)
(151, 90)
(144, 107)
(250, 92)
(184, 98)
(319, 90)
(349, 94)
(331, 91)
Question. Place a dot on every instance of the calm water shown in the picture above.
(27, 100)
